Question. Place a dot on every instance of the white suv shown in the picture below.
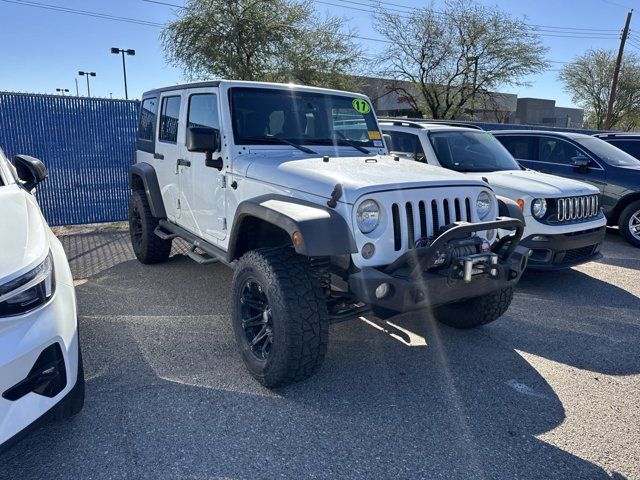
(292, 187)
(564, 222)
(41, 372)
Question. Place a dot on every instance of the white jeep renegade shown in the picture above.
(564, 225)
(292, 187)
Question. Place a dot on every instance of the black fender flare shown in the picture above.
(147, 175)
(324, 231)
(509, 208)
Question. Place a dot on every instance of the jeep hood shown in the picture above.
(23, 238)
(357, 175)
(535, 184)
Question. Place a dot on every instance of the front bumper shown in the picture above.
(415, 281)
(558, 251)
(23, 339)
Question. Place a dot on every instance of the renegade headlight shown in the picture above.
(483, 205)
(539, 207)
(368, 216)
(29, 290)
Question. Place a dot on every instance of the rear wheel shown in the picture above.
(630, 224)
(279, 316)
(475, 311)
(148, 247)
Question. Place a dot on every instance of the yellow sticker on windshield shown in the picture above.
(361, 106)
(374, 135)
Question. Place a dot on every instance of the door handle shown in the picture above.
(184, 163)
(158, 156)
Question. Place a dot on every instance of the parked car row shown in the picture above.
(324, 213)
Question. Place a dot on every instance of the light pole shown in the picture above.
(62, 91)
(87, 74)
(116, 51)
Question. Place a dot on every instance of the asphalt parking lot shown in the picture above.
(551, 390)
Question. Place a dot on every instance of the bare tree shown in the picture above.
(588, 79)
(452, 55)
(273, 40)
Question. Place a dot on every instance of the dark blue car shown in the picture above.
(589, 159)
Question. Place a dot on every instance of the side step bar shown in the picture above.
(210, 253)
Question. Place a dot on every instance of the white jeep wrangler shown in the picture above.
(564, 224)
(292, 187)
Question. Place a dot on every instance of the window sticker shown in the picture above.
(361, 106)
(377, 143)
(374, 135)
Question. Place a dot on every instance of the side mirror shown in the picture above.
(30, 170)
(581, 163)
(207, 140)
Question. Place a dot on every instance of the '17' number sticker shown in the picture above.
(361, 106)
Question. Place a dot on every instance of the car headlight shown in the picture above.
(483, 205)
(368, 216)
(29, 290)
(539, 207)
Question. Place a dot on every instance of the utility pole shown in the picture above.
(77, 89)
(616, 72)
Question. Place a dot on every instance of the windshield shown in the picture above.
(607, 152)
(471, 152)
(268, 116)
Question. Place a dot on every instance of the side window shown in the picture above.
(203, 111)
(556, 150)
(632, 147)
(147, 120)
(522, 148)
(406, 144)
(169, 114)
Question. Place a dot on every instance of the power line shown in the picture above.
(85, 13)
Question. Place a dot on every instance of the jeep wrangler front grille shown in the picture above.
(424, 218)
(577, 208)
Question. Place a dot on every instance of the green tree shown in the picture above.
(588, 79)
(262, 40)
(454, 55)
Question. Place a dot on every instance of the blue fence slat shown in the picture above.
(87, 144)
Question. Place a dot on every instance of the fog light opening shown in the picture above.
(383, 290)
(368, 249)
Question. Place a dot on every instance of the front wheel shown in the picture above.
(279, 316)
(475, 311)
(630, 224)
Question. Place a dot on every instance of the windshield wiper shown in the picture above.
(272, 139)
(341, 141)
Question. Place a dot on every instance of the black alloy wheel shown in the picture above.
(257, 321)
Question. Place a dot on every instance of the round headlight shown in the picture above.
(483, 205)
(368, 216)
(539, 207)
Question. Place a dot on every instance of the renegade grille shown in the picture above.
(423, 218)
(577, 208)
(579, 253)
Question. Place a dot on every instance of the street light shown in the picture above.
(116, 51)
(87, 74)
(62, 91)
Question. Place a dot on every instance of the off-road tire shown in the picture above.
(476, 311)
(74, 401)
(623, 223)
(299, 315)
(148, 247)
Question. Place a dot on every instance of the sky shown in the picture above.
(44, 46)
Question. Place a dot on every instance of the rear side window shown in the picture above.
(407, 144)
(522, 148)
(147, 120)
(203, 111)
(169, 114)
